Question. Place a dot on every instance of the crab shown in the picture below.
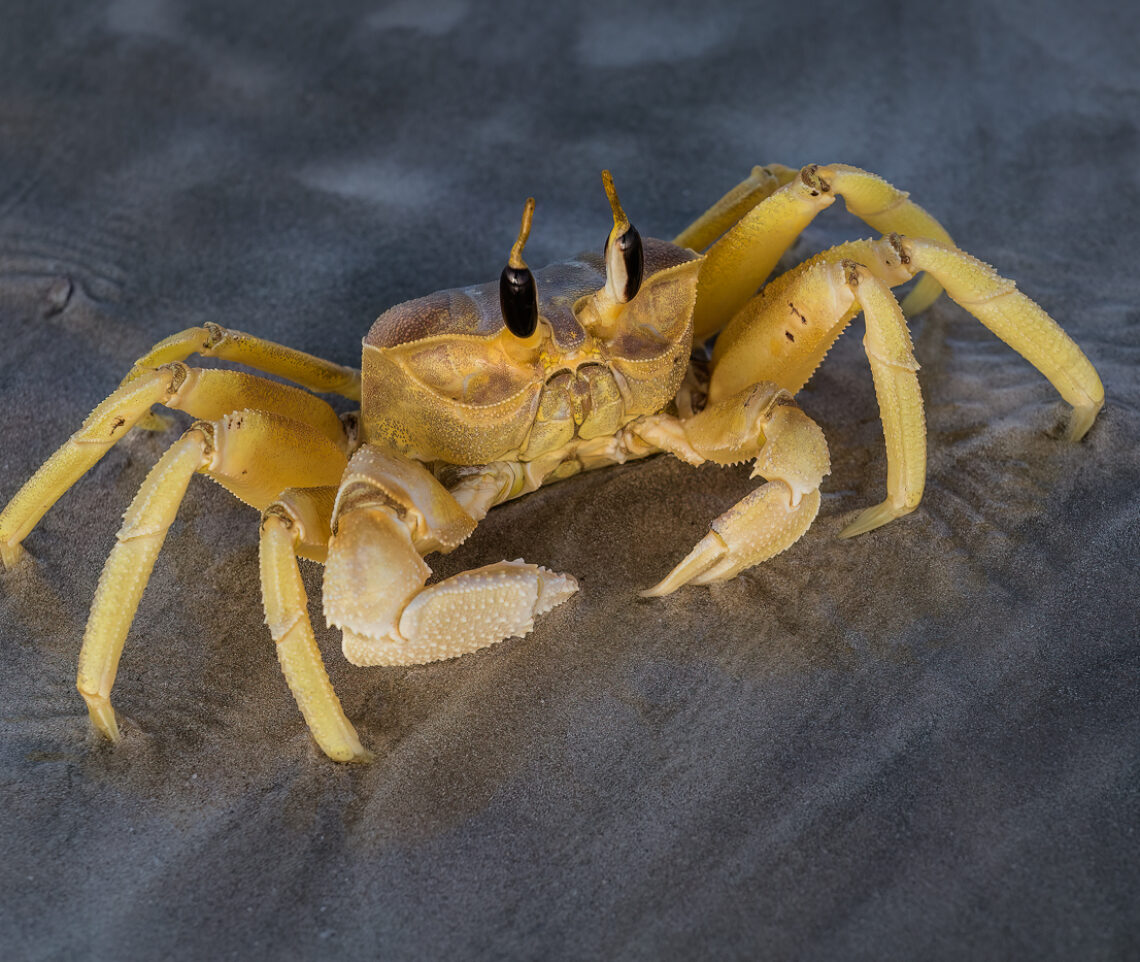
(469, 398)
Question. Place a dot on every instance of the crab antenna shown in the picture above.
(621, 222)
(516, 260)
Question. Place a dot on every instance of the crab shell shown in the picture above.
(445, 381)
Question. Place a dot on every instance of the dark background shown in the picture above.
(922, 743)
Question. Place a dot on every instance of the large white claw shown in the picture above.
(374, 592)
(374, 588)
(464, 613)
(483, 606)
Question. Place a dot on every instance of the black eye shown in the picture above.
(633, 261)
(623, 251)
(518, 299)
(518, 293)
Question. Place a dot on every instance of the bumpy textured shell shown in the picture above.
(439, 386)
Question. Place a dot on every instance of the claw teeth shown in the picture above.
(553, 589)
(705, 554)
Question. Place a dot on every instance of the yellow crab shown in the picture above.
(472, 397)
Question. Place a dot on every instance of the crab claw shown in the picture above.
(756, 528)
(374, 592)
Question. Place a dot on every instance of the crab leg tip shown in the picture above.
(1082, 419)
(102, 715)
(873, 518)
(11, 553)
(358, 756)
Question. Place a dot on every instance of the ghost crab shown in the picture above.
(473, 397)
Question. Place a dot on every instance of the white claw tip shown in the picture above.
(553, 589)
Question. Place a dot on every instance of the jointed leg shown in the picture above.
(763, 423)
(250, 452)
(1017, 320)
(204, 394)
(128, 569)
(783, 335)
(299, 523)
(888, 210)
(212, 340)
(737, 264)
(895, 372)
(760, 184)
(103, 427)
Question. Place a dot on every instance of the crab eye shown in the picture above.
(518, 299)
(625, 256)
(627, 265)
(518, 293)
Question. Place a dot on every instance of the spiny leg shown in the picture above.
(102, 428)
(895, 373)
(213, 340)
(203, 394)
(758, 185)
(298, 524)
(737, 264)
(889, 210)
(128, 569)
(1017, 320)
(783, 335)
(252, 453)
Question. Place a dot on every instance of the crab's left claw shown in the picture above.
(754, 529)
(761, 422)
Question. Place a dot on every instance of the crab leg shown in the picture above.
(213, 340)
(783, 335)
(760, 184)
(298, 523)
(737, 264)
(1017, 320)
(204, 394)
(895, 373)
(889, 210)
(390, 512)
(253, 454)
(128, 569)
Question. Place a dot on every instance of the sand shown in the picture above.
(921, 743)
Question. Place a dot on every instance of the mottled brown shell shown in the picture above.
(442, 381)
